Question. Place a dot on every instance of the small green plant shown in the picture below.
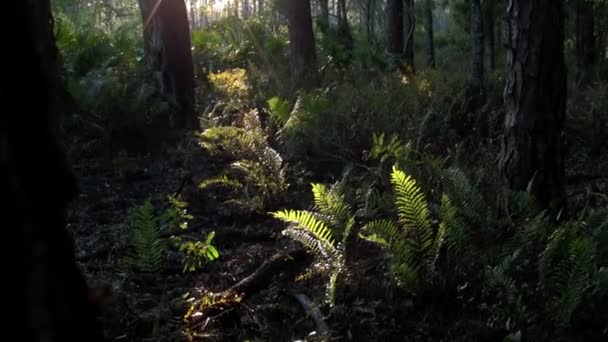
(198, 253)
(412, 241)
(256, 172)
(280, 110)
(323, 232)
(149, 247)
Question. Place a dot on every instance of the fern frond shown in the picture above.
(383, 232)
(333, 207)
(457, 231)
(222, 180)
(308, 221)
(466, 197)
(147, 242)
(413, 212)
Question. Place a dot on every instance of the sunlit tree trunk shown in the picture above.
(303, 56)
(46, 295)
(394, 28)
(428, 27)
(167, 43)
(477, 54)
(409, 29)
(535, 99)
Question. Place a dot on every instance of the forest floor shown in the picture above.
(151, 307)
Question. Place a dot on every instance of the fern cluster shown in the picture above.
(256, 172)
(323, 232)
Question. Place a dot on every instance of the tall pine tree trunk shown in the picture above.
(535, 99)
(585, 40)
(491, 35)
(394, 29)
(477, 54)
(428, 27)
(409, 29)
(303, 57)
(167, 43)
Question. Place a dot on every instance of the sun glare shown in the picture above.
(219, 5)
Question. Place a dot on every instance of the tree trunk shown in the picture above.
(585, 40)
(535, 99)
(260, 6)
(428, 27)
(409, 29)
(324, 17)
(394, 29)
(491, 35)
(167, 43)
(346, 38)
(477, 54)
(246, 11)
(370, 20)
(303, 56)
(48, 296)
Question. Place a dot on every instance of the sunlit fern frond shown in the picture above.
(307, 221)
(332, 205)
(413, 212)
(222, 180)
(466, 197)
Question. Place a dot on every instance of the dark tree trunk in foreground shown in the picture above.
(535, 99)
(491, 34)
(344, 33)
(47, 294)
(167, 42)
(409, 28)
(477, 54)
(428, 27)
(394, 29)
(585, 40)
(303, 56)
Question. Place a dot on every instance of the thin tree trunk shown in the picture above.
(491, 35)
(167, 42)
(409, 29)
(428, 27)
(246, 11)
(394, 29)
(477, 54)
(370, 20)
(585, 40)
(324, 17)
(303, 56)
(535, 99)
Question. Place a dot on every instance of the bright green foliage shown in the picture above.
(256, 171)
(149, 248)
(413, 243)
(280, 110)
(198, 253)
(318, 231)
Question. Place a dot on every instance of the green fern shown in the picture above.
(457, 231)
(149, 248)
(332, 205)
(466, 197)
(280, 110)
(412, 242)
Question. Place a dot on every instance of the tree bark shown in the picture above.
(394, 30)
(167, 43)
(428, 27)
(409, 29)
(49, 298)
(303, 57)
(324, 17)
(535, 99)
(491, 34)
(370, 20)
(477, 54)
(585, 40)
